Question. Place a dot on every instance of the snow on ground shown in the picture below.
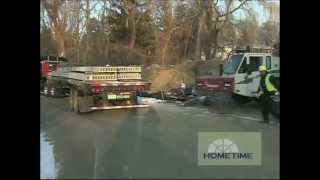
(48, 170)
(146, 100)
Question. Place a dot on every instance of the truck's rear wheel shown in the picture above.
(135, 98)
(75, 101)
(45, 90)
(43, 84)
(79, 103)
(71, 100)
(52, 91)
(240, 99)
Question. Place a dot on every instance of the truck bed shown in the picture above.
(100, 75)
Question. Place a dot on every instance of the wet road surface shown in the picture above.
(155, 142)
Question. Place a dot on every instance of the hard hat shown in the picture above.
(262, 68)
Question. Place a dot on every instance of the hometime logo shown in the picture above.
(225, 149)
(229, 148)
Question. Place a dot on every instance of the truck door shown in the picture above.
(254, 75)
(241, 86)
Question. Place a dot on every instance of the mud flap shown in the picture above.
(85, 103)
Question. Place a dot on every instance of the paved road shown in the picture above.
(155, 142)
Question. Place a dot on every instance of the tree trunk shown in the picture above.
(198, 41)
(185, 51)
(207, 51)
(107, 49)
(77, 45)
(197, 50)
(164, 52)
(87, 15)
(215, 43)
(132, 27)
(215, 36)
(77, 30)
(59, 36)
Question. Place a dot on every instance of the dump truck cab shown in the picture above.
(240, 75)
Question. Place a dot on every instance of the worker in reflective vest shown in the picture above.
(267, 89)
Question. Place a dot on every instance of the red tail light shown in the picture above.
(97, 89)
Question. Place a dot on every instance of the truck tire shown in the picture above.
(52, 91)
(45, 90)
(43, 83)
(79, 103)
(71, 100)
(41, 86)
(134, 98)
(75, 102)
(56, 89)
(240, 99)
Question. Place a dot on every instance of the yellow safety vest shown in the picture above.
(269, 85)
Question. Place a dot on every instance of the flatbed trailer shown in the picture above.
(98, 87)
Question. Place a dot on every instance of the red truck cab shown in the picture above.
(49, 64)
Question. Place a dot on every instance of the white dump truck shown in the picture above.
(97, 87)
(240, 76)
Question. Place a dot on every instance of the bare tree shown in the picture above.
(199, 32)
(106, 29)
(87, 9)
(131, 8)
(74, 30)
(212, 20)
(164, 30)
(58, 22)
(77, 33)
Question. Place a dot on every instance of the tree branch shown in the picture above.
(215, 4)
(233, 10)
